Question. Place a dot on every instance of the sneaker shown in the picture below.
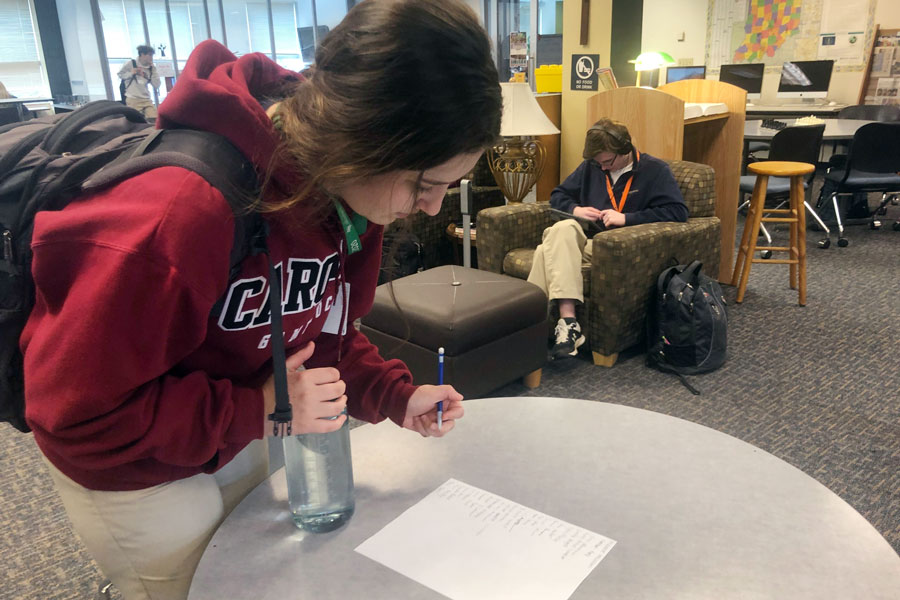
(568, 339)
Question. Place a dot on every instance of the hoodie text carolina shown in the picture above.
(129, 380)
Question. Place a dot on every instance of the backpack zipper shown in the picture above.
(7, 245)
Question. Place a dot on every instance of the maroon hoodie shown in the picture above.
(129, 380)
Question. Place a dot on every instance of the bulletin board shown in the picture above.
(775, 31)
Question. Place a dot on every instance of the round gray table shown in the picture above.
(695, 513)
(835, 129)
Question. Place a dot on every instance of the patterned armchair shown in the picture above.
(626, 261)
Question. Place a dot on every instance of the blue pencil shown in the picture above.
(440, 407)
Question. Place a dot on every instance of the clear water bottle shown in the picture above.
(320, 479)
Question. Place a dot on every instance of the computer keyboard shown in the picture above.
(773, 124)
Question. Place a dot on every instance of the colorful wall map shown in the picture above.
(769, 24)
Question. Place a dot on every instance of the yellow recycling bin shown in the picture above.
(548, 78)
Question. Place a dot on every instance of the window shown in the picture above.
(246, 24)
(21, 68)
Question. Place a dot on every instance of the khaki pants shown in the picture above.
(557, 261)
(148, 542)
(144, 105)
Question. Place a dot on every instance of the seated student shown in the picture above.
(617, 186)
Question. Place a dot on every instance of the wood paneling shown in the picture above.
(650, 116)
(551, 104)
(719, 144)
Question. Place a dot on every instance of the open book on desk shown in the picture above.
(692, 110)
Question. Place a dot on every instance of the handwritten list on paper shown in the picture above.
(469, 544)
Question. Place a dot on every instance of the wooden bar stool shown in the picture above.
(795, 214)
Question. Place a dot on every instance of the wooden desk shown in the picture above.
(19, 104)
(64, 107)
(551, 104)
(793, 111)
(695, 513)
(836, 130)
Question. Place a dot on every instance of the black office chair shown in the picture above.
(800, 143)
(8, 114)
(883, 113)
(872, 165)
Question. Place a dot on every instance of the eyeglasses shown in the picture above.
(607, 163)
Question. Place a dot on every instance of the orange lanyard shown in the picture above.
(620, 205)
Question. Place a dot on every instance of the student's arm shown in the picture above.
(567, 195)
(110, 321)
(376, 388)
(154, 77)
(665, 201)
(126, 71)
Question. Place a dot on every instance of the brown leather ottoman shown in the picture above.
(493, 327)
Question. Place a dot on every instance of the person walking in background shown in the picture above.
(151, 408)
(135, 75)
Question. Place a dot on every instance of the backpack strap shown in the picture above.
(662, 282)
(60, 136)
(692, 273)
(213, 158)
(223, 166)
(209, 155)
(282, 416)
(21, 149)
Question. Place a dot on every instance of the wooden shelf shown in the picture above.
(705, 118)
(551, 104)
(655, 119)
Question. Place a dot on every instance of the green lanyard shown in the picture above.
(352, 228)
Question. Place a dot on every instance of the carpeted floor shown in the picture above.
(818, 386)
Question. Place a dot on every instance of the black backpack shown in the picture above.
(123, 86)
(686, 323)
(44, 163)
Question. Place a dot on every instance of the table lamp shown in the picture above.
(518, 159)
(647, 61)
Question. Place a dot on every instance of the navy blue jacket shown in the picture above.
(654, 195)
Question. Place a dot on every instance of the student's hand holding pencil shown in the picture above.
(421, 412)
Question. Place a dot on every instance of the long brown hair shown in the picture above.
(397, 85)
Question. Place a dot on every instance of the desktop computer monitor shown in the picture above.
(805, 79)
(679, 73)
(748, 77)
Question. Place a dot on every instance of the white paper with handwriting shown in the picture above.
(469, 544)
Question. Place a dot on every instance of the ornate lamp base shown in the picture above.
(517, 164)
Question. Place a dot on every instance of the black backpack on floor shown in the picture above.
(45, 163)
(686, 323)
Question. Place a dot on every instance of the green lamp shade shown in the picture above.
(651, 60)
